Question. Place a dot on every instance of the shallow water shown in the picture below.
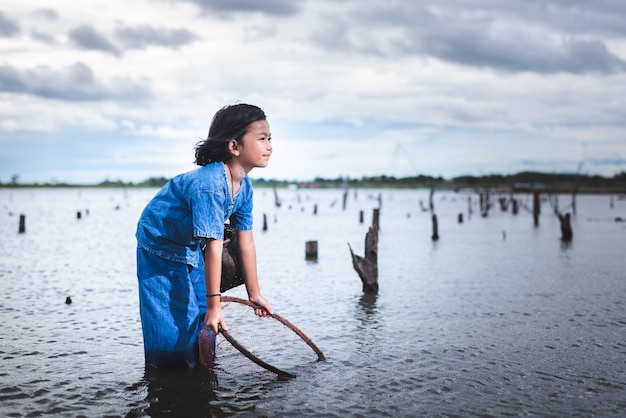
(496, 318)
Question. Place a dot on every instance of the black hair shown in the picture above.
(230, 122)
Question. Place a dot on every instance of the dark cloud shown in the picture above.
(8, 28)
(548, 36)
(86, 37)
(600, 17)
(272, 7)
(142, 36)
(481, 49)
(74, 83)
(139, 37)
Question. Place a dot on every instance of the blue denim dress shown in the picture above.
(190, 208)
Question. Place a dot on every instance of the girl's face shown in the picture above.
(255, 148)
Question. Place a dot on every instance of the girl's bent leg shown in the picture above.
(169, 312)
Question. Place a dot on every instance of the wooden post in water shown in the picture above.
(310, 252)
(514, 208)
(481, 201)
(78, 215)
(460, 217)
(431, 204)
(504, 203)
(435, 235)
(264, 222)
(277, 201)
(22, 227)
(536, 208)
(361, 217)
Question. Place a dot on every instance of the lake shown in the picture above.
(498, 317)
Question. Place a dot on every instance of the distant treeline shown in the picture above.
(523, 181)
(526, 180)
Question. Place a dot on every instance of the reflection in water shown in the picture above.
(367, 317)
(566, 245)
(186, 392)
(367, 302)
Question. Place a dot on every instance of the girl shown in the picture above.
(179, 286)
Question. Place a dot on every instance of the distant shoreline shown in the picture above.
(523, 182)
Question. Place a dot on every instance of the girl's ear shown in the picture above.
(233, 147)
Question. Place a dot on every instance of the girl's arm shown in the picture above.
(213, 277)
(247, 256)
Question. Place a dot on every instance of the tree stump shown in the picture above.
(367, 267)
(376, 220)
(310, 250)
(566, 228)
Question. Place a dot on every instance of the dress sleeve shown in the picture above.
(241, 219)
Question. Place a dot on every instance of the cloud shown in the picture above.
(140, 37)
(480, 34)
(47, 14)
(130, 37)
(86, 37)
(480, 49)
(73, 83)
(274, 7)
(8, 28)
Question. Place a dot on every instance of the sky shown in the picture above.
(123, 90)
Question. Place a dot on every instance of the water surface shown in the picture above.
(496, 318)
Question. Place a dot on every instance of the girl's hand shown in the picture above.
(262, 306)
(214, 319)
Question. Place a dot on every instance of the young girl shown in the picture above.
(179, 284)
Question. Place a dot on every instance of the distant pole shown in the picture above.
(514, 209)
(78, 215)
(431, 205)
(22, 227)
(460, 217)
(435, 236)
(536, 208)
(361, 217)
(566, 228)
(264, 222)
